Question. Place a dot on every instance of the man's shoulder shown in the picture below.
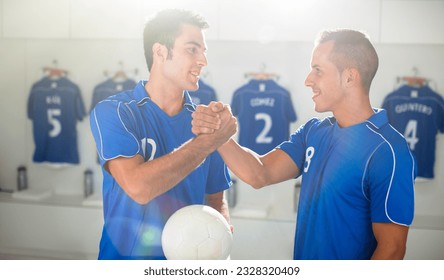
(121, 97)
(319, 123)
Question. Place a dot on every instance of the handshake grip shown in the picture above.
(216, 120)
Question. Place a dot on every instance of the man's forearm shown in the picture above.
(143, 181)
(245, 163)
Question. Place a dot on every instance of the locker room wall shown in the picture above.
(88, 37)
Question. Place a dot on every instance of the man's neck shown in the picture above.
(169, 99)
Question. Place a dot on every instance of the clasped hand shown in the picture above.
(215, 120)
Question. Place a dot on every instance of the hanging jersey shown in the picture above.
(204, 95)
(351, 177)
(129, 124)
(55, 106)
(418, 114)
(265, 111)
(110, 87)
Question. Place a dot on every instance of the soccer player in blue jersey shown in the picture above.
(357, 192)
(152, 163)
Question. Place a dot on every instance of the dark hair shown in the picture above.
(352, 49)
(165, 27)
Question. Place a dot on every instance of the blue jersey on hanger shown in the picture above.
(265, 111)
(129, 124)
(418, 114)
(351, 177)
(204, 95)
(55, 106)
(110, 87)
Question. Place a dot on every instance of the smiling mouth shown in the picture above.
(315, 94)
(196, 75)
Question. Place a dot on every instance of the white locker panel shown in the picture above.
(412, 22)
(13, 96)
(106, 19)
(36, 19)
(280, 20)
(1, 17)
(209, 9)
(257, 239)
(74, 231)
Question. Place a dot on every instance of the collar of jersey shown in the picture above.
(379, 118)
(256, 82)
(141, 95)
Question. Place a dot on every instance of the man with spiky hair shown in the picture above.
(152, 163)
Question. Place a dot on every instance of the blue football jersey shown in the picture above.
(55, 106)
(204, 95)
(110, 87)
(418, 114)
(129, 124)
(351, 177)
(264, 110)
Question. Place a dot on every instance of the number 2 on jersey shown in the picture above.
(262, 138)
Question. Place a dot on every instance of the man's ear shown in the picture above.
(350, 77)
(159, 51)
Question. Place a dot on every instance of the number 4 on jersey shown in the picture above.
(410, 134)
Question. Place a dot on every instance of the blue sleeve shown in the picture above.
(214, 96)
(95, 99)
(296, 146)
(390, 183)
(291, 113)
(235, 106)
(113, 131)
(441, 115)
(218, 176)
(80, 106)
(31, 104)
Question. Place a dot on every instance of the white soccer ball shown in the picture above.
(197, 232)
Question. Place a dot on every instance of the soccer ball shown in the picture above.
(197, 232)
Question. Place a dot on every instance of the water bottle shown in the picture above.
(22, 180)
(88, 183)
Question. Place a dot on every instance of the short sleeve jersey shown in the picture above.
(351, 177)
(265, 111)
(55, 107)
(418, 114)
(129, 124)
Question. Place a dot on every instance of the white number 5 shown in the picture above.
(52, 119)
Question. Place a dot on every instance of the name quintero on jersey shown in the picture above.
(413, 107)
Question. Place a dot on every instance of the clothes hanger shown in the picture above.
(120, 75)
(54, 72)
(414, 80)
(262, 74)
